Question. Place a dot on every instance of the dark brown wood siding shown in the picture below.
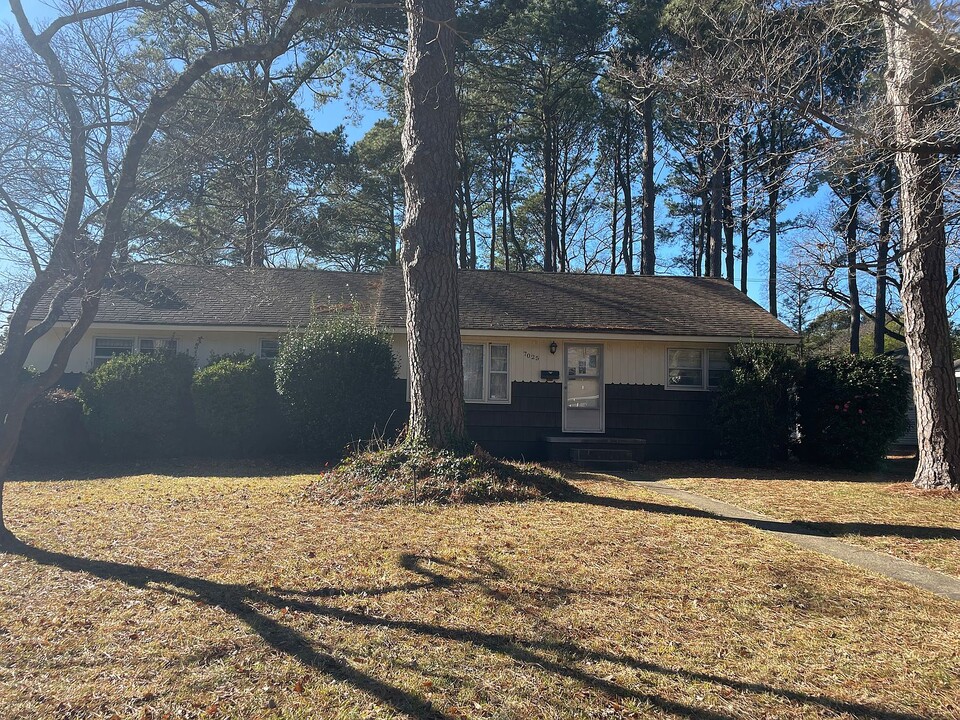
(676, 424)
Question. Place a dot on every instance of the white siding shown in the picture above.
(626, 362)
(629, 362)
(201, 345)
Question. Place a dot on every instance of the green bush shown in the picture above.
(335, 380)
(237, 407)
(139, 405)
(53, 430)
(851, 408)
(754, 412)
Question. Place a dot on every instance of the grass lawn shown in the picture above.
(881, 511)
(169, 596)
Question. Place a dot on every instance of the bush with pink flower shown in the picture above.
(850, 409)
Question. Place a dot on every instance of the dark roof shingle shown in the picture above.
(577, 302)
(489, 300)
(229, 296)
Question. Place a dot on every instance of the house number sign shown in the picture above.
(530, 356)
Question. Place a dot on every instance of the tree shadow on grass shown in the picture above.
(557, 657)
(796, 527)
(172, 467)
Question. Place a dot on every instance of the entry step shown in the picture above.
(609, 452)
(610, 459)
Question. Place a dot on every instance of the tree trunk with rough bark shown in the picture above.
(428, 255)
(923, 265)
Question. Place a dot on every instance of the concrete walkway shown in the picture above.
(877, 562)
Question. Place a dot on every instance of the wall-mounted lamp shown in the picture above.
(553, 348)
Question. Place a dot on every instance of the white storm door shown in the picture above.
(583, 389)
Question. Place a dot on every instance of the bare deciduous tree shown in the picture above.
(103, 115)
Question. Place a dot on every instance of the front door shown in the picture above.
(583, 389)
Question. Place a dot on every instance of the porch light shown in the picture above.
(553, 348)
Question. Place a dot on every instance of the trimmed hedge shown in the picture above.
(139, 405)
(754, 412)
(53, 430)
(333, 379)
(851, 408)
(237, 407)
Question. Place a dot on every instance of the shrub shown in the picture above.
(754, 411)
(851, 409)
(237, 407)
(334, 380)
(53, 430)
(139, 405)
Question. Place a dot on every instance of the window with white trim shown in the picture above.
(696, 369)
(149, 346)
(718, 367)
(106, 348)
(269, 348)
(486, 373)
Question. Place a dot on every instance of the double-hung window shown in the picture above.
(718, 367)
(106, 348)
(696, 369)
(149, 346)
(269, 348)
(486, 373)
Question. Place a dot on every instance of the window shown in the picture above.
(718, 367)
(149, 346)
(486, 373)
(685, 368)
(269, 349)
(696, 369)
(106, 348)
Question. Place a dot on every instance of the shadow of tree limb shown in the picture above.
(804, 527)
(239, 600)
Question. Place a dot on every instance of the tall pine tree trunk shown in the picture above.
(773, 208)
(883, 252)
(614, 222)
(428, 234)
(648, 253)
(716, 213)
(549, 202)
(853, 289)
(744, 219)
(728, 208)
(923, 265)
(626, 185)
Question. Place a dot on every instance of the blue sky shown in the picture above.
(339, 111)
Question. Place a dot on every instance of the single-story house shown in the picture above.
(545, 356)
(908, 442)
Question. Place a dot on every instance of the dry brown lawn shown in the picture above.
(881, 511)
(169, 596)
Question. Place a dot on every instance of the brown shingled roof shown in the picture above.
(228, 296)
(489, 300)
(577, 302)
